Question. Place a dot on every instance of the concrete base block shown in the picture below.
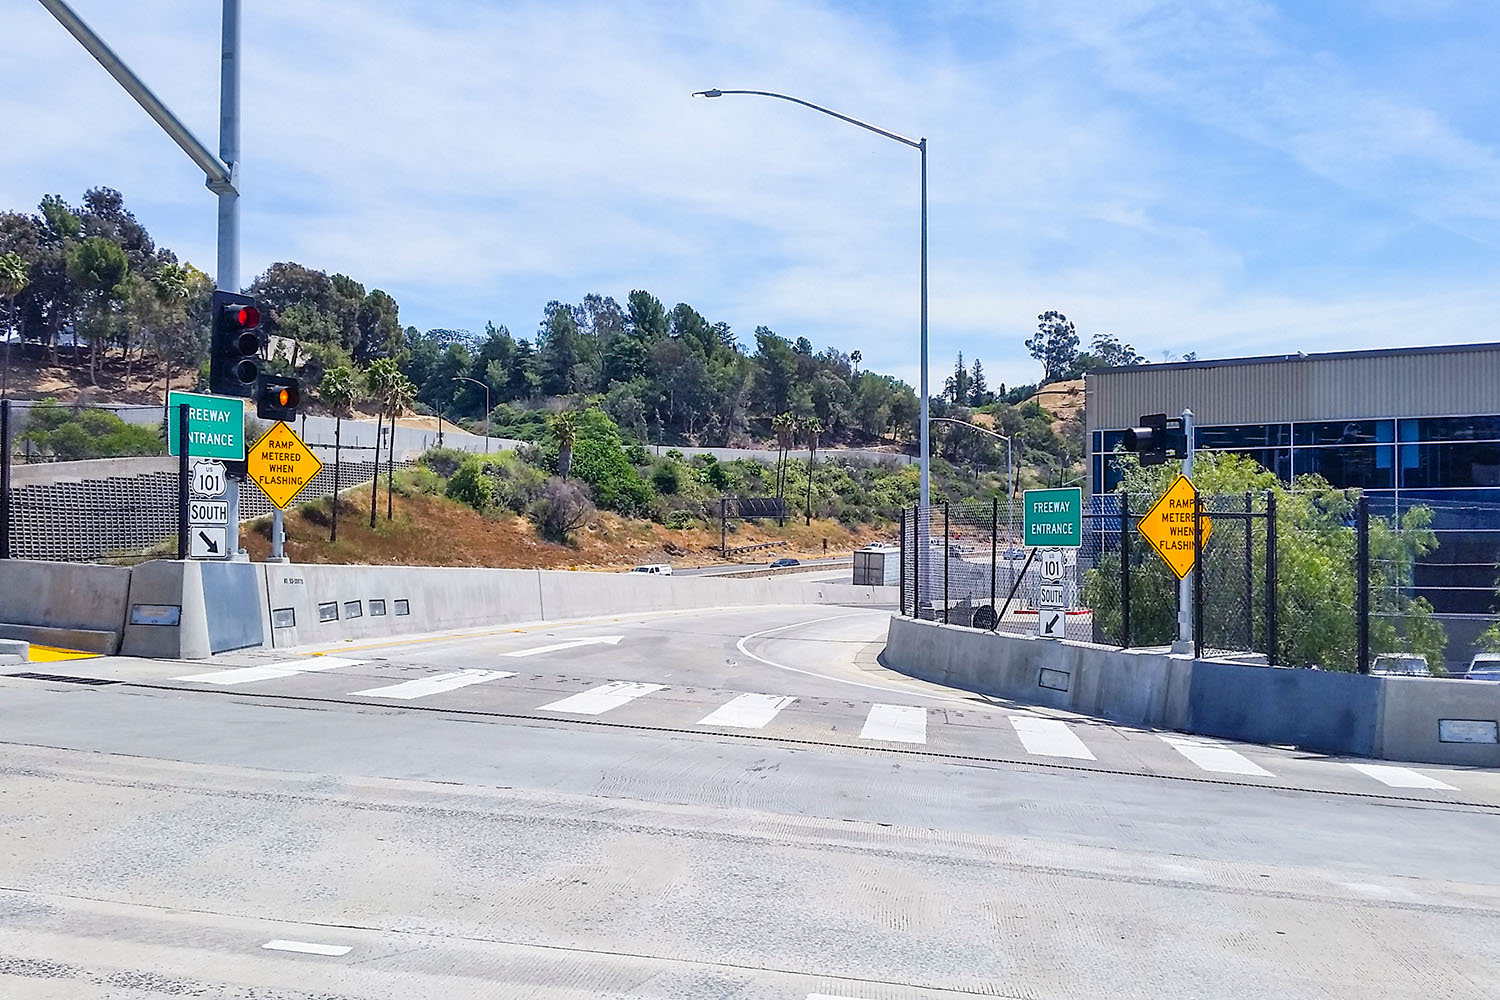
(84, 640)
(14, 651)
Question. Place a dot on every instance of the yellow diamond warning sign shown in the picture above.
(281, 464)
(1168, 526)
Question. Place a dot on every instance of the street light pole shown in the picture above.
(1010, 477)
(486, 387)
(920, 145)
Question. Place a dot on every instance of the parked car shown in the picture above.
(1014, 552)
(1484, 667)
(786, 561)
(654, 569)
(1401, 665)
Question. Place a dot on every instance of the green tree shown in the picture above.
(1055, 345)
(599, 459)
(564, 428)
(557, 349)
(956, 387)
(98, 266)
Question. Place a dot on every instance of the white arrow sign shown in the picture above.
(1049, 624)
(593, 640)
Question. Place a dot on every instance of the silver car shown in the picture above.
(1484, 667)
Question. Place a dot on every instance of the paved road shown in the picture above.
(733, 804)
(745, 567)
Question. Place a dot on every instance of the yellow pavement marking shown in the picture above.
(50, 654)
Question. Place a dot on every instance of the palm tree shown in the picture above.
(338, 390)
(377, 381)
(855, 357)
(564, 427)
(786, 428)
(400, 391)
(13, 281)
(812, 427)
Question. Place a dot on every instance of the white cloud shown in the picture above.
(1178, 173)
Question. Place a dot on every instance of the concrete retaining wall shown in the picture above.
(1399, 718)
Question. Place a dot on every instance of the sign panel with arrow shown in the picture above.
(208, 542)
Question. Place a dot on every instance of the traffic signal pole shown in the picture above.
(1184, 643)
(222, 171)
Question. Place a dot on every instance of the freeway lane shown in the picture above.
(720, 804)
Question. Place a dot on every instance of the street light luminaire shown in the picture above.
(920, 145)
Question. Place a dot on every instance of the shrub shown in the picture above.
(69, 434)
(563, 508)
(470, 485)
(679, 519)
(666, 477)
(443, 461)
(637, 455)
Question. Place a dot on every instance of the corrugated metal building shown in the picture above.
(1408, 426)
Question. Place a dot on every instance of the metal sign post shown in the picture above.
(1184, 641)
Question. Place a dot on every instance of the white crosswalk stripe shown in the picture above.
(1215, 758)
(597, 701)
(437, 684)
(1049, 738)
(1400, 777)
(271, 671)
(748, 711)
(895, 724)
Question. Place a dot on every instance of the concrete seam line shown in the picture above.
(539, 946)
(786, 740)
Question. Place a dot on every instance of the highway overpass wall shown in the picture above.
(167, 608)
(1430, 720)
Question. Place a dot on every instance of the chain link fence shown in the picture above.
(1333, 580)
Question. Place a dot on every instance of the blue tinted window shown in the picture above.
(1458, 464)
(1451, 429)
(1368, 467)
(1234, 438)
(1345, 432)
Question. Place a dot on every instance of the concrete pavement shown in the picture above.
(735, 804)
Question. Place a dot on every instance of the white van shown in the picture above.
(655, 569)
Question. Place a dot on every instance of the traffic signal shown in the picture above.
(234, 364)
(1155, 439)
(277, 397)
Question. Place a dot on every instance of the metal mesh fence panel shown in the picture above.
(123, 518)
(1231, 592)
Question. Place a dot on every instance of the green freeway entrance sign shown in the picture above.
(1054, 517)
(216, 425)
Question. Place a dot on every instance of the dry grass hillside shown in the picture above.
(435, 531)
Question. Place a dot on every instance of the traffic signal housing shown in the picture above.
(1156, 439)
(277, 397)
(234, 362)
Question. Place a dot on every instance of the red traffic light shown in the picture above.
(244, 317)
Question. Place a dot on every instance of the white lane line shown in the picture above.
(748, 711)
(1049, 738)
(895, 724)
(596, 640)
(1400, 777)
(271, 671)
(437, 684)
(884, 688)
(1211, 757)
(308, 947)
(597, 701)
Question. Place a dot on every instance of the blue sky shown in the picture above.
(1220, 176)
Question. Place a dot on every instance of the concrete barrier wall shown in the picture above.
(319, 604)
(1399, 718)
(64, 604)
(1132, 686)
